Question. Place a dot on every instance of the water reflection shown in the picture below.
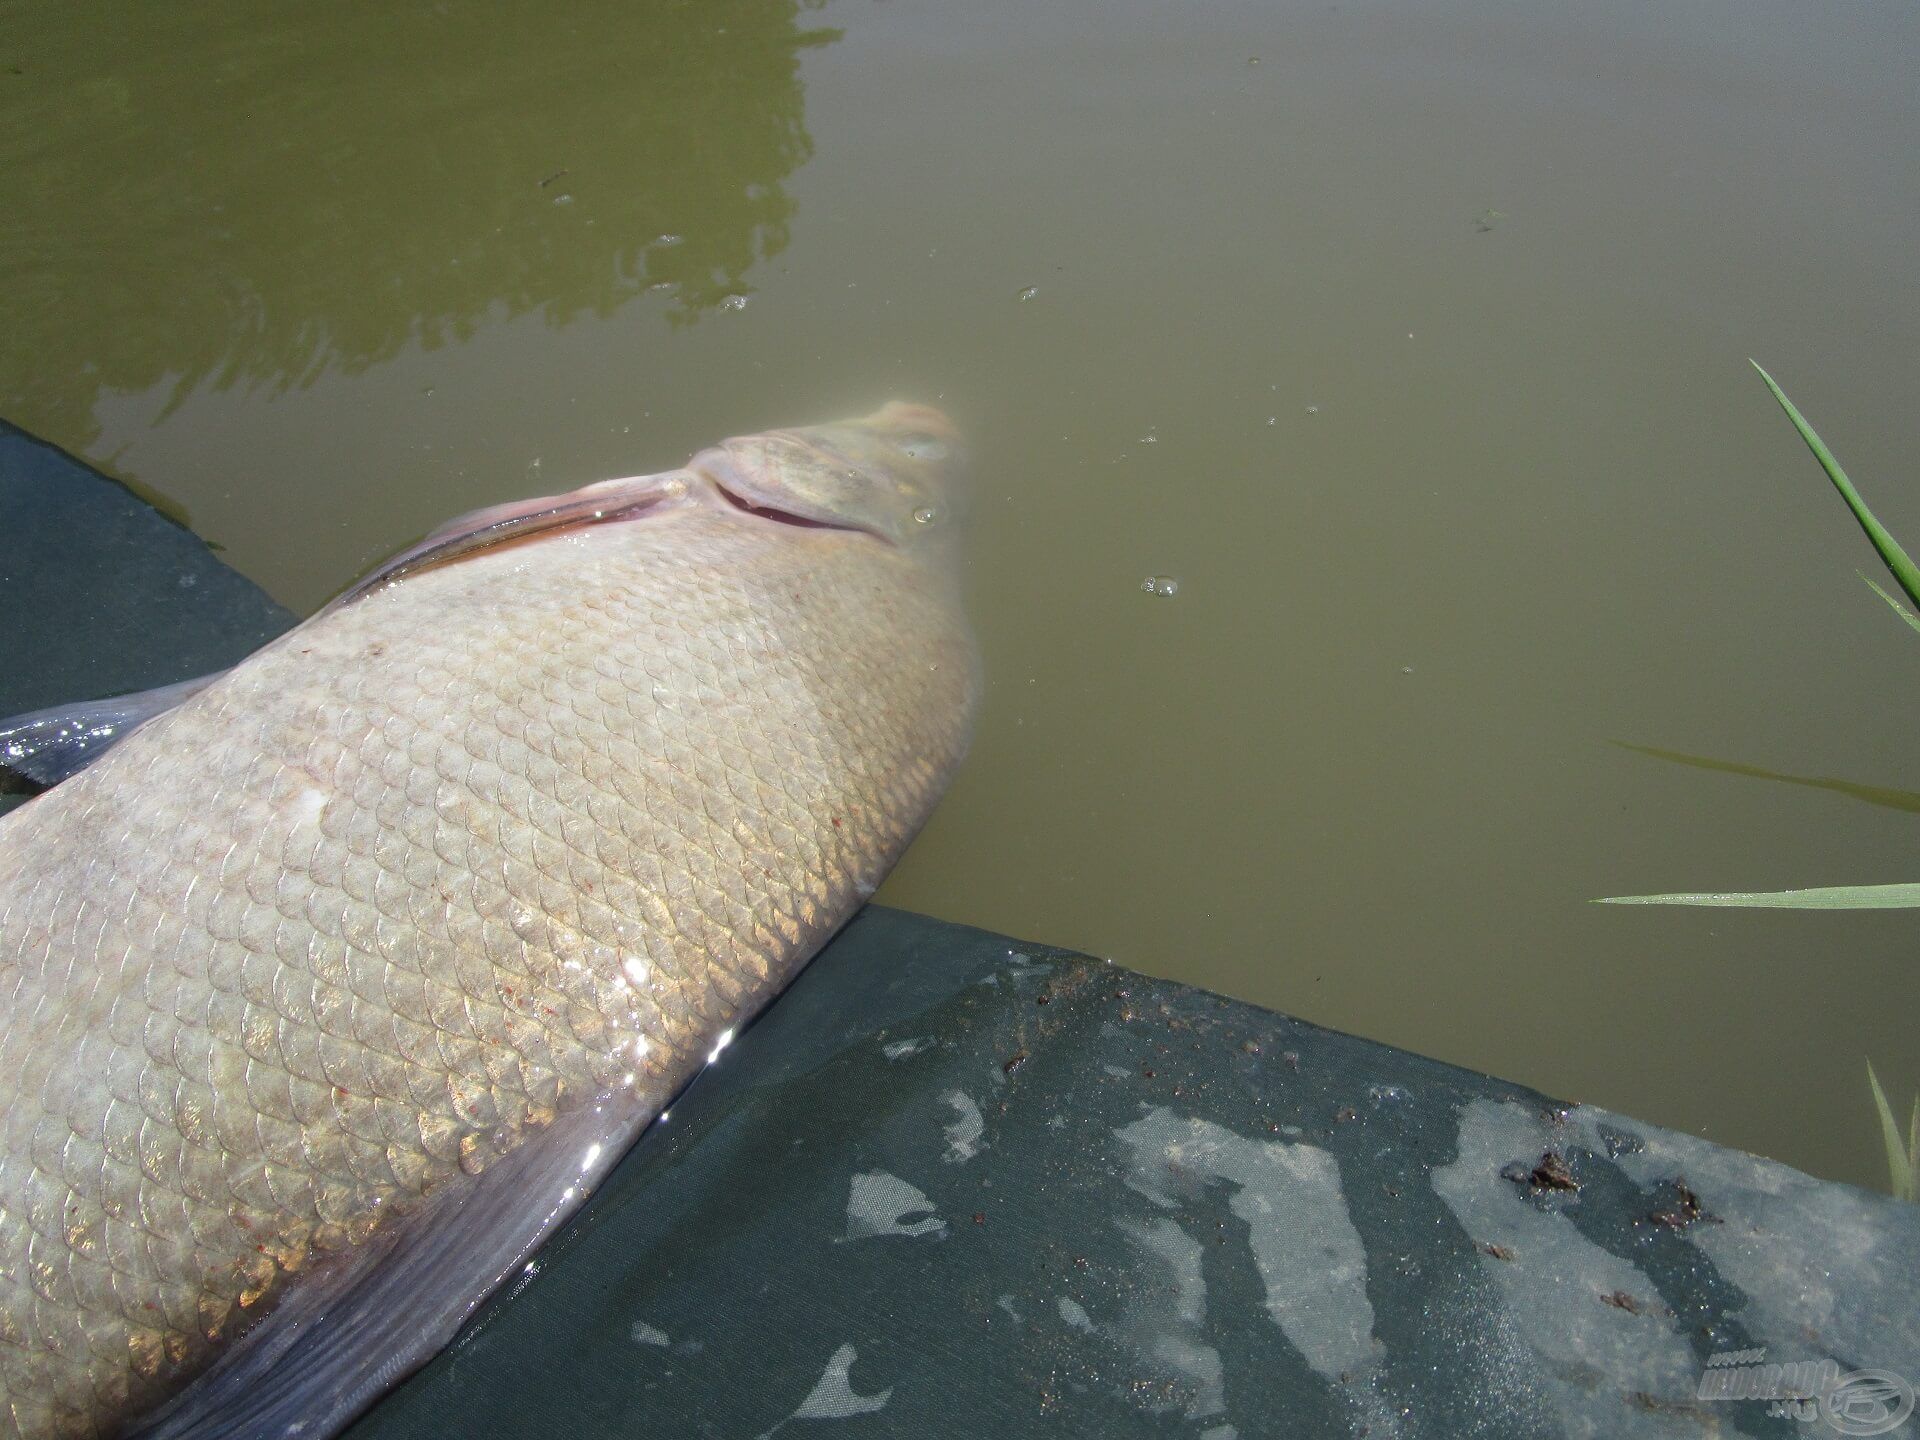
(319, 187)
(1871, 794)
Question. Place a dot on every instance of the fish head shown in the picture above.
(893, 474)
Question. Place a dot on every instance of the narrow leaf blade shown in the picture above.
(1831, 897)
(1899, 1166)
(1896, 559)
(1898, 609)
(1913, 1154)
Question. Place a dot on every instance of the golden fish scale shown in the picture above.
(412, 881)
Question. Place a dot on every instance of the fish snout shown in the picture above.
(893, 474)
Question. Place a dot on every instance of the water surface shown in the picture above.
(1409, 338)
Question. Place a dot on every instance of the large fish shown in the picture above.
(330, 991)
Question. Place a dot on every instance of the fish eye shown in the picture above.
(921, 447)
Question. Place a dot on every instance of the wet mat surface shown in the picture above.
(955, 1186)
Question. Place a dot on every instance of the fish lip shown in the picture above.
(719, 469)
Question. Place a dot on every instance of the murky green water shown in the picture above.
(1409, 338)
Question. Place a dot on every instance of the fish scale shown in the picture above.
(415, 885)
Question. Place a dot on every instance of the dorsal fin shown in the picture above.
(48, 746)
(493, 526)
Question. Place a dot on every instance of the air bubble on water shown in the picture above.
(1160, 585)
(1313, 409)
(734, 302)
(1028, 293)
(667, 239)
(925, 515)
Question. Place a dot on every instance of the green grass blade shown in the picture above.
(1913, 1153)
(1831, 897)
(1902, 1160)
(1898, 609)
(1895, 558)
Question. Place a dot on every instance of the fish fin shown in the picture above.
(494, 526)
(48, 746)
(339, 1340)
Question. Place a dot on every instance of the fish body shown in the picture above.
(329, 992)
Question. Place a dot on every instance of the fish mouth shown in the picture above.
(719, 469)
